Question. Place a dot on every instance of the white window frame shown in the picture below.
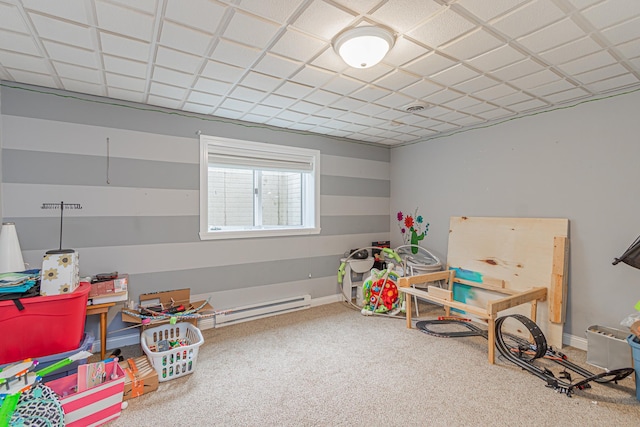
(311, 212)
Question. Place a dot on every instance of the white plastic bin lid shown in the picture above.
(361, 265)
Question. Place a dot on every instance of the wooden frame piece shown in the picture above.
(559, 279)
(512, 298)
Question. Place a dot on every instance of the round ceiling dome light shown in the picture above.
(363, 47)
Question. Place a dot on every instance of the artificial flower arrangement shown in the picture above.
(413, 229)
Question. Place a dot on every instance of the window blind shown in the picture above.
(256, 159)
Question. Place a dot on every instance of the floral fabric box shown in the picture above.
(60, 273)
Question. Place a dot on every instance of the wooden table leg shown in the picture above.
(102, 310)
(103, 334)
(491, 335)
(408, 310)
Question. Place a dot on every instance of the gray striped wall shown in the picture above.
(140, 214)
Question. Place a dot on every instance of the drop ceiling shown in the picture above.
(455, 64)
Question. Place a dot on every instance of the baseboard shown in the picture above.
(326, 300)
(117, 342)
(574, 341)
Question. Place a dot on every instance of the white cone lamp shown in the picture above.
(363, 47)
(10, 254)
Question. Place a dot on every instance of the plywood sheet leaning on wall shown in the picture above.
(524, 253)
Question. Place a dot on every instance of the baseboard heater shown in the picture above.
(256, 311)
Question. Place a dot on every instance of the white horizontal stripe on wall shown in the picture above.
(24, 133)
(138, 259)
(348, 205)
(354, 168)
(25, 200)
(127, 201)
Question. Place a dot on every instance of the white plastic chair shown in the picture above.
(419, 263)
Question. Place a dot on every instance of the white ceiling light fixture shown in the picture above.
(363, 47)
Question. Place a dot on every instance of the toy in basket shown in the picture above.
(172, 349)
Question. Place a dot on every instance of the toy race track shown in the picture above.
(524, 353)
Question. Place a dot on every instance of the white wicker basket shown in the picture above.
(175, 362)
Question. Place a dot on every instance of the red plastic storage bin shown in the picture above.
(47, 325)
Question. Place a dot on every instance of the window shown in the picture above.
(250, 189)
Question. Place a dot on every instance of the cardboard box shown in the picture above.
(140, 377)
(166, 298)
(91, 407)
(60, 273)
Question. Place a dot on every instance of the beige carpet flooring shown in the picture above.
(332, 366)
